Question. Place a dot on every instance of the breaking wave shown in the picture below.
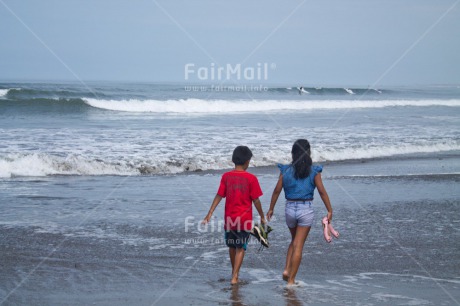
(228, 106)
(42, 164)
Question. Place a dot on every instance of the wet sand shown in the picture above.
(123, 240)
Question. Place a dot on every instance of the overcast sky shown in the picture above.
(366, 42)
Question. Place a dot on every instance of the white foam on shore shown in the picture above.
(227, 106)
(263, 276)
(213, 254)
(299, 284)
(43, 165)
(367, 275)
(397, 175)
(367, 152)
(396, 299)
(165, 162)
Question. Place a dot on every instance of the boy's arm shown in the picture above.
(258, 206)
(214, 204)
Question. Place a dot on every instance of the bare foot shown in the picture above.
(292, 284)
(285, 276)
(234, 281)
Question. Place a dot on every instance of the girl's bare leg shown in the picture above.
(289, 254)
(297, 248)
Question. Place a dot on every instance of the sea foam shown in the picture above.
(39, 164)
(3, 92)
(42, 164)
(238, 106)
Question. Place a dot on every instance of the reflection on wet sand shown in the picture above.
(291, 298)
(235, 296)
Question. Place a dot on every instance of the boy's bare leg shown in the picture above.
(231, 253)
(289, 254)
(297, 247)
(239, 256)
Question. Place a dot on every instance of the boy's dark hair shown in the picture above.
(241, 154)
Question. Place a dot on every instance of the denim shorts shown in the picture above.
(299, 213)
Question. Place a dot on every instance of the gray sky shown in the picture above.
(366, 42)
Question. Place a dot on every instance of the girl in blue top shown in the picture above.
(299, 180)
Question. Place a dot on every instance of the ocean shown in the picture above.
(103, 186)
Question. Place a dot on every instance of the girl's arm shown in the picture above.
(214, 204)
(324, 195)
(275, 195)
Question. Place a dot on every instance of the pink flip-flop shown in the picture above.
(327, 236)
(328, 230)
(333, 231)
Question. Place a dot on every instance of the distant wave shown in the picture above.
(45, 105)
(174, 92)
(331, 90)
(74, 93)
(201, 106)
(42, 164)
(17, 91)
(24, 94)
(228, 106)
(349, 91)
(4, 92)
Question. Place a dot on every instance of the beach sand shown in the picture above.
(115, 240)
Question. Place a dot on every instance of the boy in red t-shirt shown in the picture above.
(240, 189)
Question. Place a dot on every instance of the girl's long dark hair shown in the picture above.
(301, 160)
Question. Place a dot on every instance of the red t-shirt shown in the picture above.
(239, 188)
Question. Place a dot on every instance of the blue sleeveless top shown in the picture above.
(299, 188)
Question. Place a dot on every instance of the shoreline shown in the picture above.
(268, 169)
(106, 239)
